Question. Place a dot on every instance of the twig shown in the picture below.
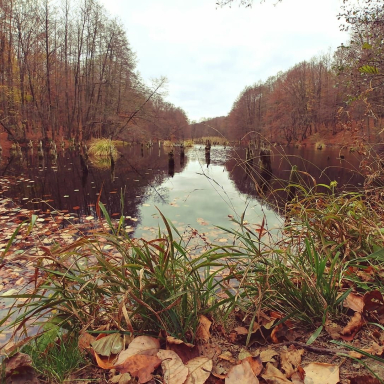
(323, 351)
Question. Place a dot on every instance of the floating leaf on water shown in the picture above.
(146, 205)
(89, 218)
(12, 291)
(223, 240)
(76, 190)
(76, 208)
(66, 196)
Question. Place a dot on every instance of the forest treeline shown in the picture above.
(336, 91)
(67, 69)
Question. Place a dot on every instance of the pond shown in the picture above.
(196, 191)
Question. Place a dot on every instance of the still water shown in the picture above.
(195, 191)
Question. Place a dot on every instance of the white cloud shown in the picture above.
(209, 55)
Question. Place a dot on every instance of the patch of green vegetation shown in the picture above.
(103, 148)
(55, 355)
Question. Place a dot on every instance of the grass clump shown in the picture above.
(103, 148)
(320, 145)
(188, 143)
(130, 285)
(55, 355)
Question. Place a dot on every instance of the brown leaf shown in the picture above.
(241, 330)
(175, 372)
(202, 332)
(374, 302)
(364, 380)
(279, 333)
(333, 330)
(185, 351)
(125, 378)
(354, 325)
(85, 340)
(18, 362)
(199, 370)
(221, 368)
(105, 362)
(255, 363)
(241, 373)
(354, 302)
(273, 376)
(321, 373)
(141, 345)
(267, 356)
(290, 360)
(228, 357)
(140, 366)
(374, 349)
(297, 378)
(18, 370)
(212, 351)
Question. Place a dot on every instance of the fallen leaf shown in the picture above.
(241, 373)
(85, 340)
(255, 363)
(201, 221)
(333, 330)
(108, 345)
(279, 333)
(374, 349)
(202, 332)
(175, 372)
(273, 376)
(105, 362)
(124, 378)
(354, 325)
(228, 357)
(199, 370)
(290, 360)
(211, 351)
(364, 380)
(185, 351)
(18, 370)
(374, 302)
(267, 356)
(140, 366)
(354, 302)
(241, 330)
(141, 345)
(321, 373)
(297, 378)
(17, 362)
(243, 354)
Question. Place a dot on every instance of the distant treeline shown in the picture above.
(325, 95)
(66, 68)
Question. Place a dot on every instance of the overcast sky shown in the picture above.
(210, 54)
